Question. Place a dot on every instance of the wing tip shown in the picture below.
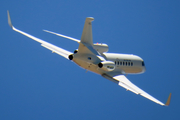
(168, 100)
(9, 19)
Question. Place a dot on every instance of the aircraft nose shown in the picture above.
(144, 69)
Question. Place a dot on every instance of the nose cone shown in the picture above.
(143, 69)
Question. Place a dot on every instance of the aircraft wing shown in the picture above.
(45, 44)
(122, 81)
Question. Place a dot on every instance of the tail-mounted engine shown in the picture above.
(107, 65)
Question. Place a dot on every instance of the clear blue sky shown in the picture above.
(36, 84)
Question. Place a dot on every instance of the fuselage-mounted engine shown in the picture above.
(70, 57)
(107, 65)
(75, 51)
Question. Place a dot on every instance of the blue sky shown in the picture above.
(37, 84)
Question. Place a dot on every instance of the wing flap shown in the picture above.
(57, 50)
(119, 83)
(127, 88)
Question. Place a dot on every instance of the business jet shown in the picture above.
(94, 57)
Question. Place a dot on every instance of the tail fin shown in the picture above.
(87, 32)
(86, 44)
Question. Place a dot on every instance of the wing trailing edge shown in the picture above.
(122, 81)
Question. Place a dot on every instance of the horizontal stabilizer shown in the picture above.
(90, 47)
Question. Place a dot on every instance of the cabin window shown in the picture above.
(123, 63)
(143, 63)
(120, 63)
(131, 63)
(115, 62)
(128, 63)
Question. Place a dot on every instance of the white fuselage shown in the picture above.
(124, 63)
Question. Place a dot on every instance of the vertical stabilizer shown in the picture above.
(86, 43)
(87, 31)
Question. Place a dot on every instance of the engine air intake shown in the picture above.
(107, 65)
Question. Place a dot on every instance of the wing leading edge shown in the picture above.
(122, 81)
(45, 44)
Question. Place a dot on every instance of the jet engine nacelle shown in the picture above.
(101, 47)
(70, 57)
(75, 51)
(107, 65)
